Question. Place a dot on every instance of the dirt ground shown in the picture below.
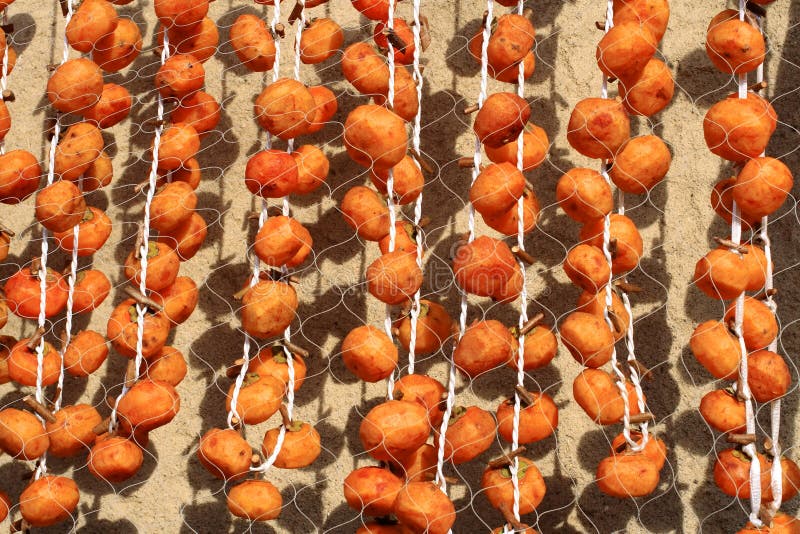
(173, 493)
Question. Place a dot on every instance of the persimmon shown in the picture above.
(722, 203)
(721, 274)
(627, 475)
(738, 129)
(418, 466)
(365, 69)
(301, 445)
(75, 85)
(282, 240)
(723, 411)
(483, 346)
(366, 212)
(200, 110)
(186, 238)
(5, 120)
(168, 366)
(268, 308)
(312, 168)
(259, 398)
(433, 328)
(320, 40)
(511, 73)
(408, 180)
(595, 303)
(23, 364)
(539, 349)
(405, 238)
(655, 449)
(99, 173)
(48, 500)
(255, 500)
(80, 145)
(271, 173)
(625, 48)
(716, 349)
(94, 230)
(5, 245)
(172, 206)
(19, 176)
(72, 431)
(588, 338)
(654, 14)
(118, 49)
(424, 390)
(485, 267)
(375, 137)
(734, 46)
(85, 353)
(178, 143)
(123, 326)
(22, 435)
(91, 289)
(470, 433)
(732, 473)
(273, 361)
(225, 453)
(587, 268)
(496, 189)
(627, 237)
(499, 488)
(511, 41)
(91, 21)
(284, 108)
(200, 40)
(762, 186)
(584, 195)
(405, 101)
(759, 326)
(648, 91)
(253, 42)
(768, 375)
(178, 299)
(60, 206)
(372, 490)
(597, 393)
(181, 13)
(394, 429)
(369, 353)
(402, 56)
(537, 421)
(640, 164)
(501, 119)
(598, 127)
(23, 293)
(6, 343)
(423, 507)
(790, 481)
(5, 505)
(781, 524)
(114, 458)
(188, 172)
(756, 264)
(147, 405)
(325, 107)
(162, 266)
(535, 145)
(394, 277)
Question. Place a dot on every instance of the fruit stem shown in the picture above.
(287, 421)
(756, 87)
(420, 160)
(6, 230)
(506, 459)
(764, 294)
(102, 426)
(467, 162)
(296, 12)
(280, 30)
(137, 246)
(144, 300)
(525, 397)
(531, 323)
(39, 408)
(756, 9)
(644, 417)
(523, 255)
(130, 373)
(643, 371)
(234, 370)
(471, 109)
(296, 349)
(34, 340)
(736, 247)
(740, 439)
(618, 326)
(627, 287)
(600, 25)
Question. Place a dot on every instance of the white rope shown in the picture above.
(141, 310)
(462, 320)
(415, 144)
(41, 465)
(4, 75)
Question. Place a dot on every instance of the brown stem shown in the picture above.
(740, 439)
(627, 287)
(297, 11)
(239, 295)
(424, 221)
(144, 300)
(768, 445)
(296, 349)
(506, 459)
(137, 246)
(64, 7)
(39, 408)
(741, 249)
(756, 9)
(471, 109)
(255, 460)
(523, 255)
(600, 25)
(531, 323)
(287, 421)
(643, 371)
(764, 294)
(35, 338)
(508, 514)
(645, 417)
(233, 370)
(36, 266)
(102, 426)
(424, 34)
(612, 248)
(740, 390)
(525, 398)
(420, 160)
(467, 162)
(759, 86)
(6, 230)
(130, 373)
(280, 30)
(7, 28)
(428, 476)
(615, 320)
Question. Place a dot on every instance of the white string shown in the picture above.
(41, 465)
(144, 248)
(415, 143)
(462, 320)
(4, 75)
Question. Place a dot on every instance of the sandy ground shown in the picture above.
(174, 493)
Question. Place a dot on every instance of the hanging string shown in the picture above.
(462, 321)
(4, 75)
